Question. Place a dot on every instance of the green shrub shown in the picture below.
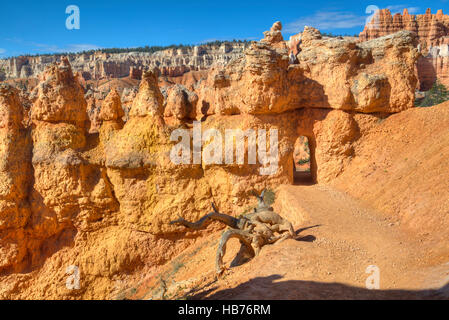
(436, 95)
(303, 161)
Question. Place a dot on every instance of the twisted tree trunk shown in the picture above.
(217, 216)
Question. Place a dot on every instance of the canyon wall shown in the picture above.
(433, 36)
(98, 65)
(432, 29)
(102, 202)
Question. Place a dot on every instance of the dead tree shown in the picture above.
(254, 230)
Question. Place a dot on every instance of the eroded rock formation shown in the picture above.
(15, 171)
(170, 62)
(374, 76)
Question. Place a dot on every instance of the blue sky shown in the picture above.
(40, 26)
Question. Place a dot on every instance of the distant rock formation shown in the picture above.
(433, 37)
(135, 73)
(432, 29)
(98, 65)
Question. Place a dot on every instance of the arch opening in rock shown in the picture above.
(302, 164)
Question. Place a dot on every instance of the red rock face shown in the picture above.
(135, 73)
(431, 28)
(14, 169)
(433, 36)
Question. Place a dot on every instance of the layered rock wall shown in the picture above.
(432, 29)
(171, 62)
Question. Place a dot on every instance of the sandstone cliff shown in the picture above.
(430, 28)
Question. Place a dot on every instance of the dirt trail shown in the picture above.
(337, 240)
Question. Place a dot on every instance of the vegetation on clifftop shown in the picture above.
(148, 49)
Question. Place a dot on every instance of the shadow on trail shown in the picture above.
(271, 288)
(302, 179)
(306, 228)
(307, 238)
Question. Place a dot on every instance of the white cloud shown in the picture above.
(2, 50)
(326, 20)
(50, 48)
